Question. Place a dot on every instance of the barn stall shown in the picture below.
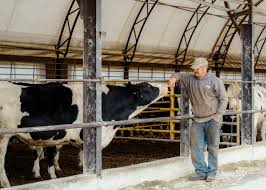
(141, 40)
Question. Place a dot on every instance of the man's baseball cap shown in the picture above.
(199, 62)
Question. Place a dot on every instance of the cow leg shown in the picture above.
(3, 147)
(56, 158)
(50, 158)
(38, 156)
(81, 158)
(256, 124)
(263, 130)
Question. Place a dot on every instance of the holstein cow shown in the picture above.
(29, 105)
(233, 93)
(227, 128)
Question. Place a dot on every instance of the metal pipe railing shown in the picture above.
(106, 123)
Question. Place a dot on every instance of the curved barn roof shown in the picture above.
(39, 22)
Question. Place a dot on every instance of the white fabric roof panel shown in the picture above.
(40, 21)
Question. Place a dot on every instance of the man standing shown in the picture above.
(209, 100)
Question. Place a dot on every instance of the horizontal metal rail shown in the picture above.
(147, 139)
(159, 111)
(117, 81)
(144, 126)
(228, 143)
(82, 80)
(151, 130)
(109, 123)
(229, 123)
(229, 134)
(162, 102)
(164, 109)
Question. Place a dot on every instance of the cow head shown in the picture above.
(146, 93)
(233, 92)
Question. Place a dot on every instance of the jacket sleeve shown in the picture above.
(180, 77)
(222, 98)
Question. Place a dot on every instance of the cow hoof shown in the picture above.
(59, 173)
(37, 177)
(51, 171)
(5, 184)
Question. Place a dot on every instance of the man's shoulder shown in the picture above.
(215, 78)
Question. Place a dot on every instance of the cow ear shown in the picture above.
(109, 86)
(129, 85)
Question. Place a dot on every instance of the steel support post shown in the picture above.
(92, 96)
(247, 74)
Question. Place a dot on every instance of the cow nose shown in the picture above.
(164, 89)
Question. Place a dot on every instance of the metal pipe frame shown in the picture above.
(189, 31)
(78, 61)
(129, 51)
(106, 123)
(67, 30)
(259, 44)
(222, 45)
(147, 139)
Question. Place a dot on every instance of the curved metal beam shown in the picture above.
(189, 31)
(259, 44)
(67, 30)
(222, 44)
(62, 47)
(129, 51)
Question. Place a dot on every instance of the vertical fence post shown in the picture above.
(184, 124)
(172, 113)
(247, 71)
(92, 66)
(238, 129)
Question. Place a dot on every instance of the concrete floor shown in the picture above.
(235, 176)
(240, 167)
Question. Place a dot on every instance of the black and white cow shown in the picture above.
(227, 127)
(27, 105)
(234, 101)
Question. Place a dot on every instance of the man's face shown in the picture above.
(200, 72)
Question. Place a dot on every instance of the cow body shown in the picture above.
(29, 105)
(233, 93)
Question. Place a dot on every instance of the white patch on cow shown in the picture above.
(36, 165)
(3, 147)
(77, 99)
(36, 168)
(56, 158)
(11, 106)
(80, 158)
(51, 172)
(105, 89)
(108, 134)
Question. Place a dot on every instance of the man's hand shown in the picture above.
(215, 118)
(172, 82)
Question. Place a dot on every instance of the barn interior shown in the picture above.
(141, 40)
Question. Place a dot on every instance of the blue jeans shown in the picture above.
(202, 134)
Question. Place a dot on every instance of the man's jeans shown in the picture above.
(202, 134)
